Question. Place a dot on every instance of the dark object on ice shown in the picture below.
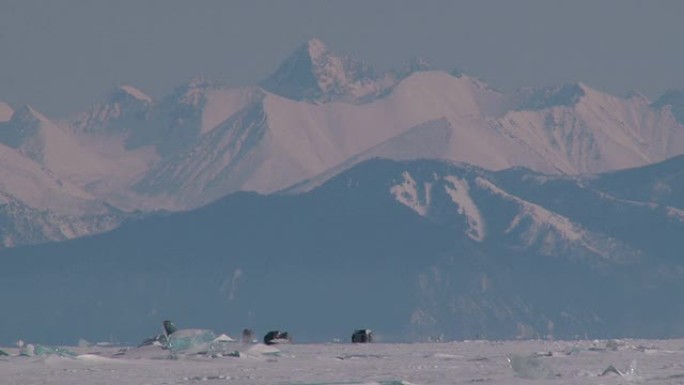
(160, 339)
(169, 327)
(362, 336)
(247, 336)
(611, 370)
(3, 353)
(276, 337)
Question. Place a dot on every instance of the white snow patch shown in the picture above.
(543, 219)
(24, 180)
(540, 216)
(316, 48)
(408, 194)
(459, 193)
(223, 338)
(221, 104)
(96, 358)
(136, 93)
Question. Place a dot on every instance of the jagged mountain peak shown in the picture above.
(115, 114)
(313, 72)
(191, 92)
(566, 95)
(316, 48)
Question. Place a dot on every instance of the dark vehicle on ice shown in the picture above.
(276, 337)
(362, 336)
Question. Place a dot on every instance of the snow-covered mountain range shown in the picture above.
(413, 249)
(483, 197)
(320, 113)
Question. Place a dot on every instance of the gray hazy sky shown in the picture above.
(61, 56)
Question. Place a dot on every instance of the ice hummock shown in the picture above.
(190, 340)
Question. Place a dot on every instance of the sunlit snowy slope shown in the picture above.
(38, 206)
(320, 113)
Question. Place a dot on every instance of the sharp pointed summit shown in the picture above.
(322, 112)
(314, 73)
(122, 109)
(316, 48)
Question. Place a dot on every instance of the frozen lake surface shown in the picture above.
(469, 362)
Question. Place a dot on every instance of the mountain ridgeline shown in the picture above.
(417, 202)
(413, 249)
(318, 114)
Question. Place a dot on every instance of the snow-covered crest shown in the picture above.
(123, 111)
(577, 129)
(136, 93)
(322, 113)
(314, 73)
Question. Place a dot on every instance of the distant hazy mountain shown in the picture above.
(411, 249)
(320, 113)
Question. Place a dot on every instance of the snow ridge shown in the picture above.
(120, 113)
(314, 73)
(407, 193)
(459, 193)
(543, 220)
(136, 93)
(319, 114)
